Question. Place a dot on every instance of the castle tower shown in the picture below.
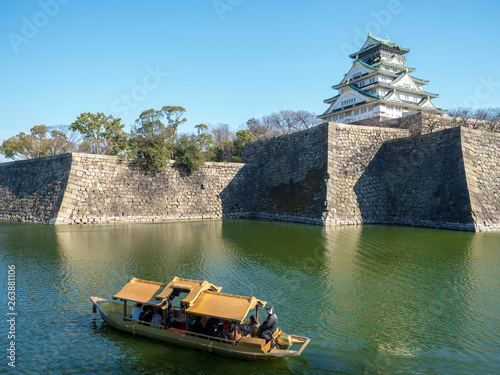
(379, 86)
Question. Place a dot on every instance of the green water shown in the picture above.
(373, 300)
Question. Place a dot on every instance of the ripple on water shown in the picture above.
(372, 299)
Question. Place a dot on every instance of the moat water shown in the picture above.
(373, 299)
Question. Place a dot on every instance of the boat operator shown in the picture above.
(269, 326)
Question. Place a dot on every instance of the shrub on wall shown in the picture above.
(188, 153)
(153, 153)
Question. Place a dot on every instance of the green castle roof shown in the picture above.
(377, 42)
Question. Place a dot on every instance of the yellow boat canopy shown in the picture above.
(143, 291)
(224, 306)
(193, 287)
(203, 298)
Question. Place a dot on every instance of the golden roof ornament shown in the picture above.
(357, 57)
(369, 33)
(387, 37)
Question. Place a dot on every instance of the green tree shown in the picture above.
(203, 138)
(153, 136)
(223, 152)
(188, 153)
(163, 122)
(242, 138)
(40, 142)
(153, 153)
(101, 132)
(174, 116)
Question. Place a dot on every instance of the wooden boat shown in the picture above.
(197, 299)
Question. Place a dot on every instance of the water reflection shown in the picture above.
(373, 299)
(409, 298)
(148, 251)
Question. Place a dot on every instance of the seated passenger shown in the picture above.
(220, 331)
(170, 317)
(233, 332)
(181, 317)
(136, 312)
(211, 326)
(251, 328)
(198, 327)
(157, 317)
(147, 314)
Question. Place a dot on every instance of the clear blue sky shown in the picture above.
(226, 61)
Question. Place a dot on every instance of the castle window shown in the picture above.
(348, 101)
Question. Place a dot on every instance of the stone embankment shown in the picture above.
(288, 175)
(333, 174)
(83, 188)
(109, 189)
(32, 190)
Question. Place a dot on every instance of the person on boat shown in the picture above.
(170, 317)
(233, 332)
(137, 311)
(181, 317)
(197, 326)
(147, 314)
(211, 326)
(251, 328)
(270, 325)
(157, 318)
(220, 331)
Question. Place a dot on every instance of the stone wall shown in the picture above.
(426, 181)
(32, 190)
(331, 174)
(290, 176)
(356, 184)
(84, 188)
(481, 154)
(109, 189)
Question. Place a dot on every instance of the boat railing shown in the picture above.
(188, 333)
(142, 322)
(212, 338)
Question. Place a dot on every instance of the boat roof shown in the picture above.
(143, 291)
(224, 306)
(203, 298)
(193, 287)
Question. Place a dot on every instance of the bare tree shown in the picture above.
(260, 130)
(479, 117)
(287, 121)
(74, 139)
(432, 121)
(492, 122)
(284, 122)
(307, 119)
(221, 133)
(461, 116)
